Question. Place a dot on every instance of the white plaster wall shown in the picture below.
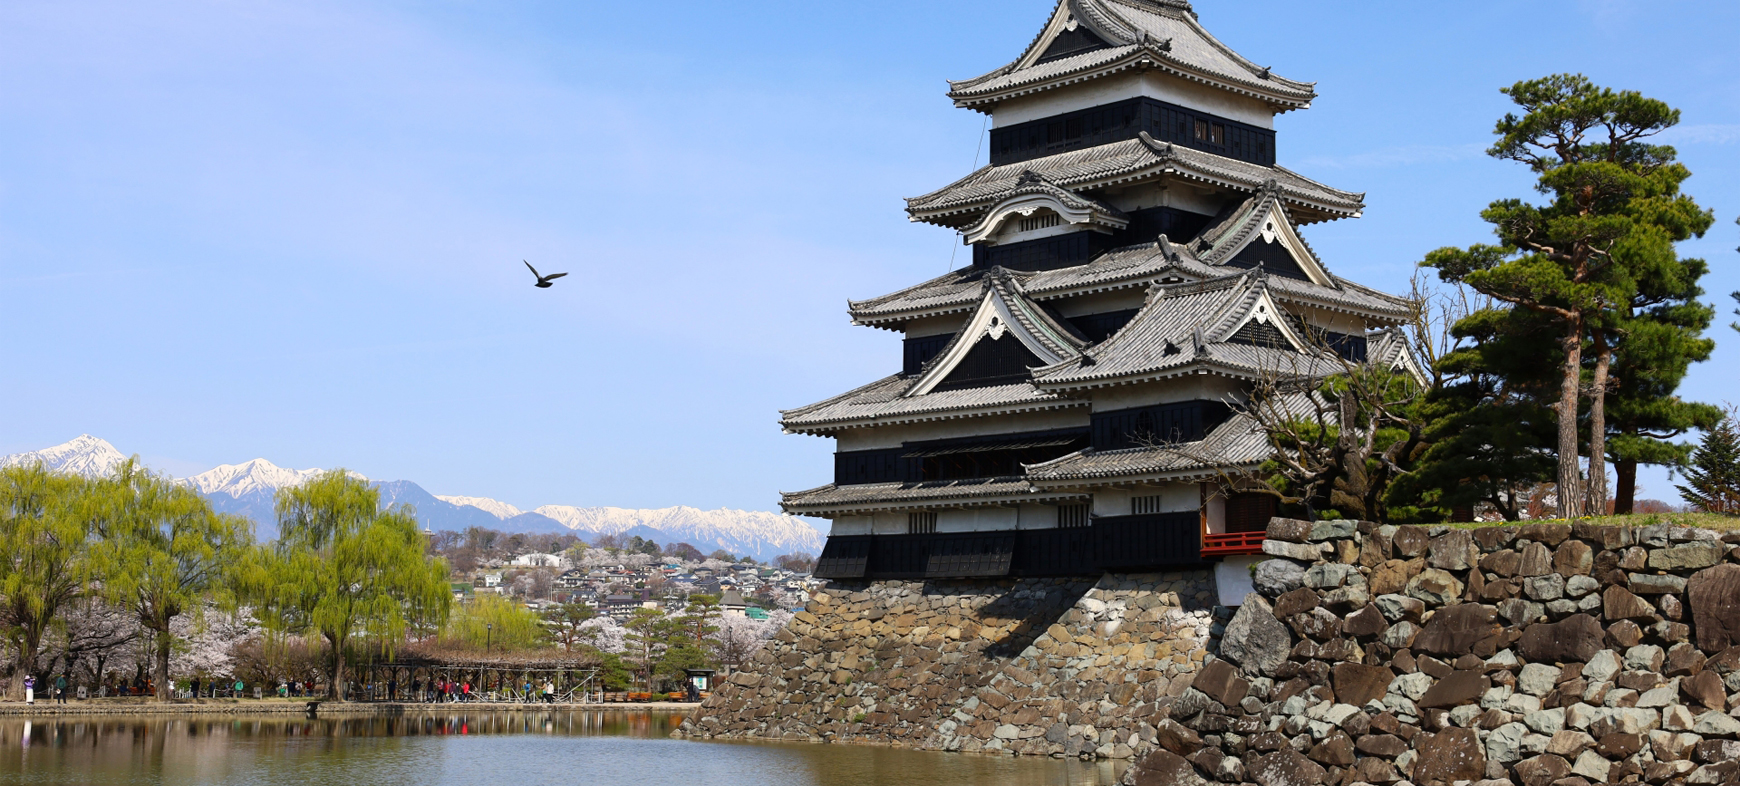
(1180, 497)
(894, 436)
(1216, 506)
(850, 525)
(976, 519)
(1152, 84)
(1232, 579)
(889, 524)
(1112, 502)
(1034, 516)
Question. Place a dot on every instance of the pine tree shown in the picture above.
(1714, 477)
(1614, 214)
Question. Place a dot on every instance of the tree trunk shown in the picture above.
(1597, 505)
(335, 688)
(1570, 490)
(160, 663)
(1625, 486)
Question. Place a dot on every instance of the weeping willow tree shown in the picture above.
(45, 529)
(343, 566)
(163, 552)
(495, 623)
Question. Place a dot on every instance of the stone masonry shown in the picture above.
(1538, 655)
(1034, 666)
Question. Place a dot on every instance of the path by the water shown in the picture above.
(130, 706)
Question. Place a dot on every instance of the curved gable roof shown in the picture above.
(1163, 34)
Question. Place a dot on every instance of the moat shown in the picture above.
(523, 748)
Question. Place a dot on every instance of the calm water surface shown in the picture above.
(499, 749)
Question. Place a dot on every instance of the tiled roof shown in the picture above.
(902, 399)
(1120, 268)
(881, 403)
(834, 500)
(1184, 329)
(1119, 162)
(1163, 34)
(1238, 442)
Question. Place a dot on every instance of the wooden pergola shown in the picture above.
(493, 678)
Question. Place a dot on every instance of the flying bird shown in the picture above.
(543, 280)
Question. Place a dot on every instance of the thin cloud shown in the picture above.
(1701, 134)
(1390, 157)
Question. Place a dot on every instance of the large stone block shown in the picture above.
(1449, 756)
(1456, 630)
(1618, 603)
(1714, 597)
(1458, 689)
(1454, 550)
(1574, 639)
(1358, 684)
(1436, 587)
(1221, 682)
(1161, 767)
(1286, 768)
(1687, 556)
(1289, 530)
(1277, 577)
(1254, 640)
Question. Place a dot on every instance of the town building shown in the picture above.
(1071, 402)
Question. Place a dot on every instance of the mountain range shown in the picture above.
(247, 489)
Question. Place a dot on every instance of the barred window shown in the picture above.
(921, 522)
(1072, 515)
(1040, 222)
(1141, 506)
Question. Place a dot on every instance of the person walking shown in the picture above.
(239, 688)
(60, 688)
(29, 689)
(549, 692)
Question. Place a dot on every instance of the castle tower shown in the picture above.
(1069, 402)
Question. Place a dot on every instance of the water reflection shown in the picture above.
(516, 748)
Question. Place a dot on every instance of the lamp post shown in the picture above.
(488, 635)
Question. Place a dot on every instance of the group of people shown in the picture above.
(448, 690)
(57, 691)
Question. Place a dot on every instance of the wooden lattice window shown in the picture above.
(1043, 221)
(921, 522)
(1143, 506)
(1072, 516)
(1248, 512)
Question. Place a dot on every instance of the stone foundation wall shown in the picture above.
(1538, 655)
(1033, 666)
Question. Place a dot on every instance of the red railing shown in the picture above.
(1231, 544)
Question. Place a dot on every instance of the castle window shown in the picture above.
(1042, 221)
(1143, 506)
(1072, 516)
(921, 522)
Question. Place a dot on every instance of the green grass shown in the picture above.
(1714, 521)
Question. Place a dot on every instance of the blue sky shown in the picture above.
(294, 230)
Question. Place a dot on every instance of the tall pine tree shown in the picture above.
(1613, 214)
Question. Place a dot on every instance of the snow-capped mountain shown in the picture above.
(496, 508)
(248, 489)
(248, 477)
(85, 455)
(736, 531)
